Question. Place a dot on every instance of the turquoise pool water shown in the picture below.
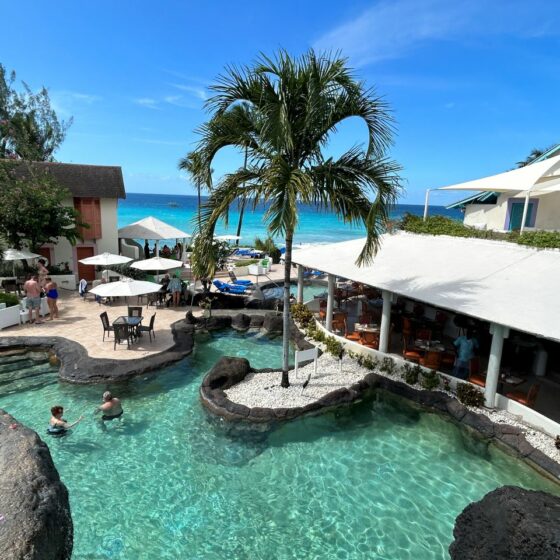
(379, 480)
(309, 291)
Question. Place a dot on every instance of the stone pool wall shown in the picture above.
(35, 520)
(230, 371)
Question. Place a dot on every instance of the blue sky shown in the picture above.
(473, 85)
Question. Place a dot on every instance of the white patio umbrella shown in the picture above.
(125, 287)
(105, 259)
(156, 263)
(18, 255)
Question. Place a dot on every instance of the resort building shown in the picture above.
(424, 291)
(527, 198)
(95, 191)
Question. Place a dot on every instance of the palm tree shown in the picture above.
(284, 109)
(533, 155)
(192, 163)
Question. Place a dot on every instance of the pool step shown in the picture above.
(25, 375)
(35, 371)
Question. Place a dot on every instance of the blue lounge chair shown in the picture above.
(237, 282)
(229, 288)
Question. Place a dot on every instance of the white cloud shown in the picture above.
(196, 91)
(147, 102)
(391, 29)
(66, 102)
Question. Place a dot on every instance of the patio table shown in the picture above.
(427, 345)
(133, 322)
(366, 328)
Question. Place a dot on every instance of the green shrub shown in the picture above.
(301, 314)
(441, 225)
(410, 373)
(10, 300)
(445, 383)
(430, 379)
(369, 362)
(245, 262)
(388, 366)
(129, 272)
(469, 395)
(334, 347)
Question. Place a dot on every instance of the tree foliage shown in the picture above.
(533, 155)
(283, 111)
(32, 208)
(29, 127)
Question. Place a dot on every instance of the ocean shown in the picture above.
(314, 227)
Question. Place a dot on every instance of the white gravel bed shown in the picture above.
(264, 390)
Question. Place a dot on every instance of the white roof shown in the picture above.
(496, 281)
(541, 177)
(151, 228)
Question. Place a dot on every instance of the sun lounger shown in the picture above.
(237, 282)
(229, 288)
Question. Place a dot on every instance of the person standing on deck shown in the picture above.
(466, 346)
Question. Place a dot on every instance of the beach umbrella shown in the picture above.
(18, 255)
(157, 263)
(125, 287)
(105, 259)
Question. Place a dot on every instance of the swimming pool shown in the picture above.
(309, 291)
(379, 480)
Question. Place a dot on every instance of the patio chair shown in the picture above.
(134, 311)
(150, 328)
(107, 327)
(431, 360)
(123, 333)
(424, 334)
(410, 355)
(338, 323)
(237, 282)
(407, 328)
(475, 375)
(370, 340)
(527, 399)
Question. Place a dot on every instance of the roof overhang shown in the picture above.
(495, 281)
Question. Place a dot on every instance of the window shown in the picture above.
(90, 212)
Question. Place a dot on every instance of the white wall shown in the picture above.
(548, 212)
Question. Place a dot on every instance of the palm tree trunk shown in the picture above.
(198, 188)
(242, 206)
(286, 313)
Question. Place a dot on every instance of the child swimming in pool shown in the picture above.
(111, 407)
(57, 424)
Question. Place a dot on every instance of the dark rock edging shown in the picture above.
(509, 438)
(510, 523)
(78, 367)
(36, 523)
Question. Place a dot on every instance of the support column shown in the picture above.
(157, 248)
(499, 332)
(426, 204)
(385, 322)
(525, 209)
(299, 283)
(330, 302)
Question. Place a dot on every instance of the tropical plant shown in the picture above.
(533, 155)
(334, 347)
(269, 247)
(33, 210)
(11, 300)
(192, 163)
(430, 379)
(284, 111)
(301, 314)
(207, 257)
(470, 395)
(29, 127)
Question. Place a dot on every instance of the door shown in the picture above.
(516, 215)
(86, 271)
(46, 253)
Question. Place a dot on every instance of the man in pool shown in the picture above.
(111, 407)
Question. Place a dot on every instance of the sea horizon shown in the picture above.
(314, 227)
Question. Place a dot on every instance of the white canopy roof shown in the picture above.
(157, 263)
(541, 177)
(496, 281)
(151, 228)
